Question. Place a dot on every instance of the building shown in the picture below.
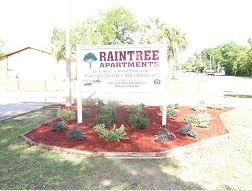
(30, 63)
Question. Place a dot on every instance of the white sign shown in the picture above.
(132, 68)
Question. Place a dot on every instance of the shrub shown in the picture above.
(107, 113)
(191, 119)
(112, 104)
(137, 117)
(75, 134)
(188, 130)
(59, 126)
(164, 136)
(138, 120)
(100, 103)
(176, 105)
(85, 114)
(204, 119)
(200, 107)
(136, 108)
(170, 109)
(198, 120)
(105, 118)
(115, 134)
(66, 115)
(89, 101)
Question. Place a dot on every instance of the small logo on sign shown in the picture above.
(90, 57)
(157, 81)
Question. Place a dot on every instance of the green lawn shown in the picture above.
(226, 165)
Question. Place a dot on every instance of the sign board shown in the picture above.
(129, 68)
(132, 68)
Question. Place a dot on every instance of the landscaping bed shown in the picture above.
(138, 140)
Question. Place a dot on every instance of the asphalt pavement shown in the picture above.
(14, 109)
(188, 90)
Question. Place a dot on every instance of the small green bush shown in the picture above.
(200, 107)
(204, 119)
(188, 130)
(137, 117)
(164, 135)
(170, 110)
(138, 120)
(100, 103)
(89, 101)
(85, 114)
(105, 118)
(198, 120)
(107, 113)
(75, 134)
(66, 115)
(191, 119)
(112, 104)
(115, 134)
(136, 108)
(59, 126)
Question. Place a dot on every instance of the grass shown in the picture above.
(226, 165)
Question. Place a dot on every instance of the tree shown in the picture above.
(155, 31)
(58, 41)
(230, 53)
(86, 33)
(89, 57)
(151, 31)
(176, 42)
(249, 58)
(236, 59)
(117, 26)
(81, 33)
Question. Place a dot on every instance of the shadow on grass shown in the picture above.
(24, 167)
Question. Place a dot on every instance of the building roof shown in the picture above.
(20, 50)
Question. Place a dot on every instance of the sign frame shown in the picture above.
(162, 61)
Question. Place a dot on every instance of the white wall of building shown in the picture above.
(31, 64)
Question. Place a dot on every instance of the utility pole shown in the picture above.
(68, 59)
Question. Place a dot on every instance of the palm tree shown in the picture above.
(176, 42)
(155, 31)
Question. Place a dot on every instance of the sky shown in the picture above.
(207, 23)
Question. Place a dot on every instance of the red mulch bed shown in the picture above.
(140, 140)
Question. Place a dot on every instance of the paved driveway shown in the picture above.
(189, 89)
(12, 109)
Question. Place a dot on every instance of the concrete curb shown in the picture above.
(137, 155)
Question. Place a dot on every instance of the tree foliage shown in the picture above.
(151, 31)
(234, 58)
(58, 40)
(176, 40)
(156, 31)
(116, 26)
